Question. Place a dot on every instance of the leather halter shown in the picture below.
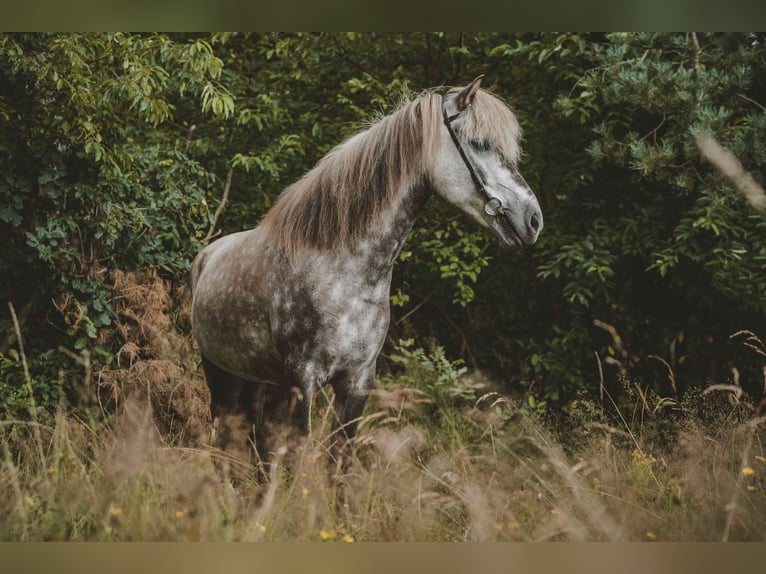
(493, 205)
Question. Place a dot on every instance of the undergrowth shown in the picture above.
(440, 456)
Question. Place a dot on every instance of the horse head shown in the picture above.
(476, 166)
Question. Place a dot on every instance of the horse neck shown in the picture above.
(385, 237)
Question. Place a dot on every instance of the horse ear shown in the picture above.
(466, 95)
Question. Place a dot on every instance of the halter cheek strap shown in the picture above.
(493, 205)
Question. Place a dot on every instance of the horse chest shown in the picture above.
(338, 320)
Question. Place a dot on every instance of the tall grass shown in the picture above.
(440, 456)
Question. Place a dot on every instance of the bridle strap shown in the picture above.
(493, 206)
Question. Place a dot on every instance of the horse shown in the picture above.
(301, 301)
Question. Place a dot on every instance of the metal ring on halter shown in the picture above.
(493, 207)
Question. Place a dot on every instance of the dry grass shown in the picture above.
(120, 479)
(136, 465)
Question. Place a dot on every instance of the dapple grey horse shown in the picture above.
(302, 300)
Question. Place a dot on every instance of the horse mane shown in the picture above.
(331, 207)
(333, 204)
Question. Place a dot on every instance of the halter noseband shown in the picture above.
(493, 206)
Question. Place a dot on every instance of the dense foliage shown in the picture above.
(118, 149)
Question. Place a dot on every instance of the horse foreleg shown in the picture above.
(285, 414)
(350, 400)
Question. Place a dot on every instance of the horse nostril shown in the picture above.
(534, 222)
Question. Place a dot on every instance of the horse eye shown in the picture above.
(480, 145)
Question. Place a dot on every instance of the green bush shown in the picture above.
(120, 148)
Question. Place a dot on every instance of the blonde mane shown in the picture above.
(331, 207)
(490, 118)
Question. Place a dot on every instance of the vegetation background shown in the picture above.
(645, 299)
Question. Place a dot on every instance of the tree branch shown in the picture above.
(227, 186)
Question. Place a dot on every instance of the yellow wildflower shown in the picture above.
(751, 488)
(760, 458)
(651, 536)
(180, 513)
(327, 534)
(348, 538)
(29, 500)
(261, 528)
(305, 493)
(115, 511)
(748, 471)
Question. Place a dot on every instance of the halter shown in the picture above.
(493, 205)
